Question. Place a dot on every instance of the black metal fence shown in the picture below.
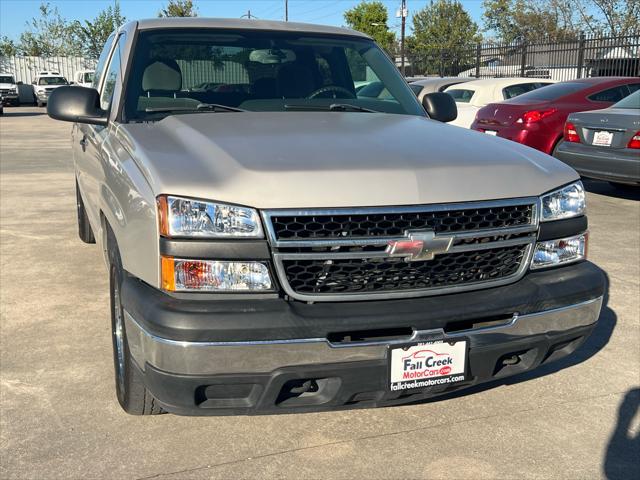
(583, 57)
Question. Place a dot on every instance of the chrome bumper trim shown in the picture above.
(211, 358)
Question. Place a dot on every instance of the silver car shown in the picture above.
(277, 242)
(605, 144)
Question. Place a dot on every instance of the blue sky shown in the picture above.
(15, 13)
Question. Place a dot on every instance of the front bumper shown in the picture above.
(251, 357)
(616, 165)
(9, 99)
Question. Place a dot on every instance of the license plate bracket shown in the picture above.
(427, 364)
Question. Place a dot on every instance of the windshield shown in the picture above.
(630, 102)
(175, 71)
(416, 88)
(6, 79)
(52, 81)
(460, 95)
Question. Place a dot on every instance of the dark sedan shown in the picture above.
(605, 144)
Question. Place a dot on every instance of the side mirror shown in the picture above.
(76, 104)
(72, 83)
(19, 83)
(440, 106)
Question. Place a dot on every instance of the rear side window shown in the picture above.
(634, 87)
(461, 95)
(102, 61)
(614, 94)
(554, 91)
(631, 102)
(516, 90)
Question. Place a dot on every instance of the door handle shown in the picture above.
(83, 143)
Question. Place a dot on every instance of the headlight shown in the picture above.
(559, 252)
(564, 203)
(184, 217)
(214, 276)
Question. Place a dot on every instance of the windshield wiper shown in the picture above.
(334, 107)
(203, 107)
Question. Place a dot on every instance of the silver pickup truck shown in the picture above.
(276, 243)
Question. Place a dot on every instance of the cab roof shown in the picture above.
(244, 24)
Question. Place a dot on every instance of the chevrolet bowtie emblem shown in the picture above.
(420, 245)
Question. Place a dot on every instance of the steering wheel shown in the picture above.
(330, 88)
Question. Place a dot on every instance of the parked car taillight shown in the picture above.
(533, 116)
(635, 141)
(570, 133)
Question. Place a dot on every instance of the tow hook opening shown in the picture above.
(308, 391)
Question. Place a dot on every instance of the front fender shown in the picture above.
(127, 203)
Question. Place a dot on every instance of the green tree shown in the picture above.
(530, 20)
(443, 38)
(8, 47)
(179, 8)
(91, 35)
(371, 18)
(48, 35)
(608, 17)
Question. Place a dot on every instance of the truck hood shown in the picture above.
(333, 159)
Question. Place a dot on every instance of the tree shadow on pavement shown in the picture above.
(622, 458)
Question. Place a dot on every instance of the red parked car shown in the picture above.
(537, 118)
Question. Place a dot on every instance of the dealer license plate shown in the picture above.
(602, 138)
(427, 364)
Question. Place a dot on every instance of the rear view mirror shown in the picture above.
(440, 106)
(76, 104)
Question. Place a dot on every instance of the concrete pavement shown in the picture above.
(577, 418)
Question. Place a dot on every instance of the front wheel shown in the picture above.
(133, 396)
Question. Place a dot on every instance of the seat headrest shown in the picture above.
(162, 74)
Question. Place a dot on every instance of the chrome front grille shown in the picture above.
(369, 253)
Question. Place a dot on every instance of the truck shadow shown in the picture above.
(605, 188)
(621, 458)
(17, 113)
(598, 339)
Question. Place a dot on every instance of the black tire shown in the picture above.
(133, 396)
(84, 227)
